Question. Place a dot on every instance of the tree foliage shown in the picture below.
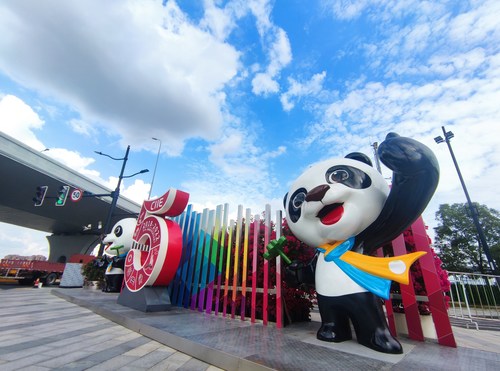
(457, 238)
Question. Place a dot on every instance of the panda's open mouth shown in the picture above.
(331, 214)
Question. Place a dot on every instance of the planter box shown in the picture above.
(427, 325)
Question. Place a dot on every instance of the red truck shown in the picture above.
(26, 272)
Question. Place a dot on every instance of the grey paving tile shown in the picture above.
(193, 365)
(80, 365)
(432, 357)
(12, 356)
(151, 359)
(112, 349)
(110, 346)
(115, 363)
(34, 368)
(61, 360)
(58, 336)
(24, 362)
(173, 362)
(43, 332)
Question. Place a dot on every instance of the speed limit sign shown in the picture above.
(76, 195)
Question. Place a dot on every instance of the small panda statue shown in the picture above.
(117, 245)
(346, 209)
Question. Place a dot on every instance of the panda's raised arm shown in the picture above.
(415, 178)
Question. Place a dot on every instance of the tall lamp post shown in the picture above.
(116, 193)
(482, 238)
(156, 164)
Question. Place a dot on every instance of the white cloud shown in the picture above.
(83, 128)
(457, 58)
(75, 161)
(417, 38)
(137, 191)
(297, 90)
(261, 9)
(220, 21)
(437, 41)
(126, 65)
(280, 56)
(346, 9)
(18, 120)
(476, 25)
(239, 172)
(22, 241)
(264, 84)
(468, 107)
(280, 52)
(235, 155)
(273, 154)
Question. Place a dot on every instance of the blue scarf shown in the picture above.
(377, 285)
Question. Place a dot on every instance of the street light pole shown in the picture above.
(156, 164)
(116, 193)
(482, 238)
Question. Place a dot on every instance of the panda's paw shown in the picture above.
(327, 332)
(383, 341)
(406, 155)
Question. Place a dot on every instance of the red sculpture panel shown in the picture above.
(157, 242)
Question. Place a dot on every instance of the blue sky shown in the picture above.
(245, 94)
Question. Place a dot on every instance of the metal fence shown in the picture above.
(214, 275)
(474, 297)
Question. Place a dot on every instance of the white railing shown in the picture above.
(474, 296)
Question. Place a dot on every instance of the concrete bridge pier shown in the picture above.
(61, 247)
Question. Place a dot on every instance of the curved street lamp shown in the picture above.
(156, 164)
(116, 193)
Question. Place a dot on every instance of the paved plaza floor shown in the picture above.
(77, 329)
(40, 331)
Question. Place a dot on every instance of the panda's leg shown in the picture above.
(114, 282)
(370, 324)
(335, 325)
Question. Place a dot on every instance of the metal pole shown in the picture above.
(115, 195)
(475, 218)
(154, 172)
(376, 156)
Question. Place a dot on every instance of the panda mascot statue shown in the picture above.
(117, 245)
(346, 209)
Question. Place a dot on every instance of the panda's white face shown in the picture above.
(119, 241)
(334, 200)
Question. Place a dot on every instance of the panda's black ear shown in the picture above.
(359, 157)
(284, 200)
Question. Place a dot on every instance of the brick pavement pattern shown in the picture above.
(66, 329)
(40, 331)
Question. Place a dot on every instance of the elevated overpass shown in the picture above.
(76, 227)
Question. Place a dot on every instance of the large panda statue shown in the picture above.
(117, 245)
(346, 209)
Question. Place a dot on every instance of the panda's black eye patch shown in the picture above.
(294, 205)
(339, 175)
(118, 231)
(349, 176)
(298, 200)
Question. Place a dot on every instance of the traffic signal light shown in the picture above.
(62, 195)
(40, 195)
